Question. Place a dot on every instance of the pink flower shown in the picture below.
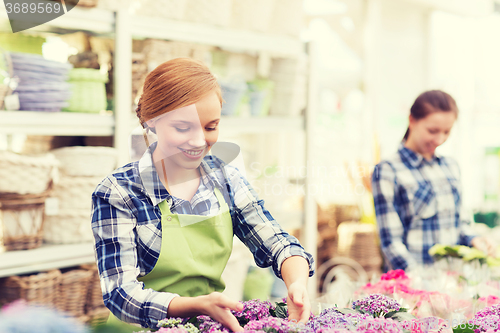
(490, 300)
(396, 274)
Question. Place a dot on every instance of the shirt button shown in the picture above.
(169, 218)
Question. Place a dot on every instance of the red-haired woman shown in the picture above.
(164, 225)
(417, 192)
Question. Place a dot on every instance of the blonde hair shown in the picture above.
(174, 84)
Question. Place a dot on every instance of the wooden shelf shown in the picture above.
(56, 123)
(235, 40)
(261, 124)
(45, 258)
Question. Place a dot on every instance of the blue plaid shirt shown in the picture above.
(418, 204)
(126, 223)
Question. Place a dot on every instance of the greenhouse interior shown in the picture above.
(278, 166)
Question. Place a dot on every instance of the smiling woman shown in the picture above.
(417, 193)
(164, 225)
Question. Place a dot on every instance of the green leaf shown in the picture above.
(347, 310)
(281, 311)
(269, 330)
(403, 316)
(194, 321)
(390, 314)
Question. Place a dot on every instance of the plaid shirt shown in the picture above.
(417, 203)
(126, 223)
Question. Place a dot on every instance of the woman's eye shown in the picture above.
(433, 131)
(211, 128)
(182, 129)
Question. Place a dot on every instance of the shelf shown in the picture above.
(94, 20)
(99, 21)
(56, 123)
(235, 40)
(235, 125)
(261, 124)
(45, 258)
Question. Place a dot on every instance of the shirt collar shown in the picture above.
(208, 176)
(415, 159)
(152, 184)
(150, 179)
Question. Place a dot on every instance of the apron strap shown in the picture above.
(222, 203)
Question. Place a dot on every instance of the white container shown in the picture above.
(86, 161)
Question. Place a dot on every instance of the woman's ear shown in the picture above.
(412, 121)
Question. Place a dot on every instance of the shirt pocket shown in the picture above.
(424, 201)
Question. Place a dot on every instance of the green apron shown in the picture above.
(194, 252)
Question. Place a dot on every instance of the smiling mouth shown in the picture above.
(192, 152)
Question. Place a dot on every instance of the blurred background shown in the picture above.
(316, 93)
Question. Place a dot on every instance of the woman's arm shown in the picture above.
(113, 225)
(390, 227)
(270, 244)
(295, 273)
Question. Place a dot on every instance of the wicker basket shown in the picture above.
(75, 192)
(72, 293)
(70, 226)
(41, 288)
(23, 174)
(94, 294)
(37, 144)
(358, 241)
(98, 317)
(23, 219)
(86, 161)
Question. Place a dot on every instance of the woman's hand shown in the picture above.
(485, 245)
(299, 307)
(295, 273)
(215, 305)
(219, 306)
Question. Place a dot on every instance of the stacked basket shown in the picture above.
(88, 88)
(42, 85)
(290, 91)
(25, 182)
(95, 309)
(358, 241)
(82, 168)
(41, 288)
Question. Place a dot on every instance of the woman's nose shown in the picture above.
(197, 139)
(441, 138)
